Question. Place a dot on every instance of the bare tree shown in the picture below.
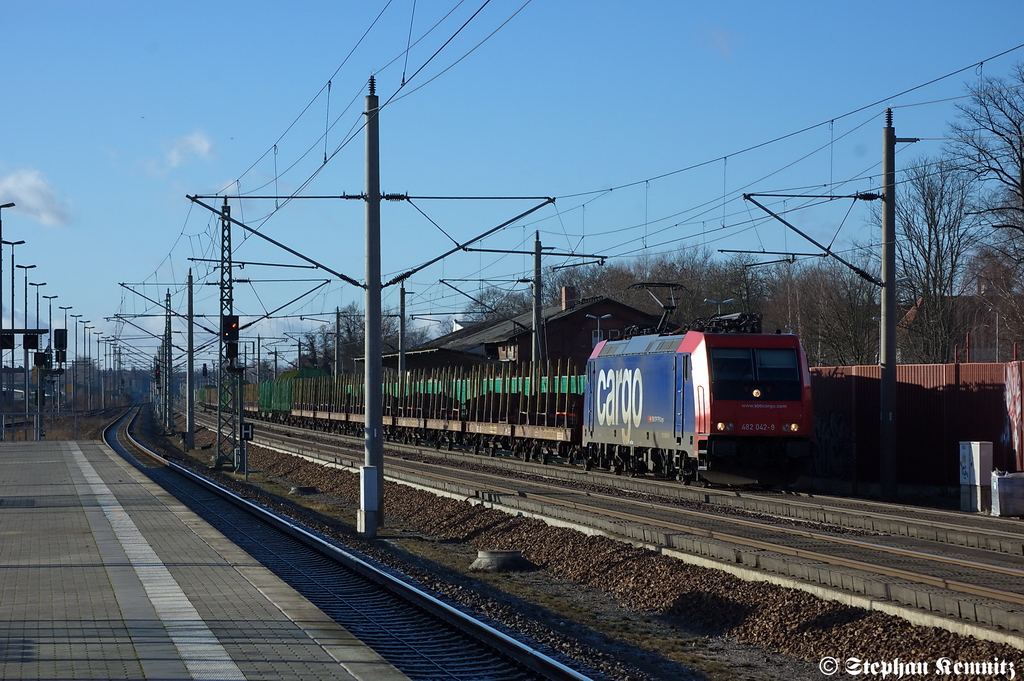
(837, 311)
(990, 135)
(494, 303)
(318, 348)
(937, 234)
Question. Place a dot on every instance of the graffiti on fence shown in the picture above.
(1014, 419)
(833, 457)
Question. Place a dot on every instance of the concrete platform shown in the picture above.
(103, 575)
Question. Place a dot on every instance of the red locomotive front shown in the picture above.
(752, 401)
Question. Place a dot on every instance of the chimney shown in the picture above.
(569, 297)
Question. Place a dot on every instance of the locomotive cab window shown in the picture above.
(777, 364)
(732, 364)
(735, 372)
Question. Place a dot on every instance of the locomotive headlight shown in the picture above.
(791, 427)
(721, 426)
(757, 392)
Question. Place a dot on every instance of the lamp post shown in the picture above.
(996, 312)
(99, 365)
(49, 322)
(74, 363)
(37, 300)
(65, 308)
(599, 336)
(6, 205)
(25, 318)
(49, 350)
(12, 244)
(719, 304)
(39, 396)
(88, 368)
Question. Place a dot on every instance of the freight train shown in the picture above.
(721, 403)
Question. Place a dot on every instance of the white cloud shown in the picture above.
(33, 196)
(196, 145)
(722, 41)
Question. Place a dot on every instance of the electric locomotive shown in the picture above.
(721, 403)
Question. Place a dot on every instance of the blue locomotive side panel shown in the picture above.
(686, 415)
(638, 400)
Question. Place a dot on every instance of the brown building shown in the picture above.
(569, 333)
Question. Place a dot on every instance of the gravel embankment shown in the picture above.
(628, 603)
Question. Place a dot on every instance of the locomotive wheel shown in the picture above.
(688, 471)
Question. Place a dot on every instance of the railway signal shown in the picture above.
(229, 327)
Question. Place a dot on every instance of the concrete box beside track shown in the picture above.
(1008, 494)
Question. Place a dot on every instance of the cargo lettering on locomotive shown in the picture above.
(620, 393)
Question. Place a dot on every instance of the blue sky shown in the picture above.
(111, 112)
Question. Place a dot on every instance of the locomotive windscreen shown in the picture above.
(735, 372)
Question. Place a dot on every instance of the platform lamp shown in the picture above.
(2, 206)
(49, 342)
(39, 403)
(65, 308)
(74, 363)
(88, 367)
(49, 322)
(12, 244)
(25, 319)
(99, 367)
(37, 285)
(599, 318)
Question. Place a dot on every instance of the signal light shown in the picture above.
(229, 327)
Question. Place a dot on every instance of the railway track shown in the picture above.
(421, 635)
(933, 567)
